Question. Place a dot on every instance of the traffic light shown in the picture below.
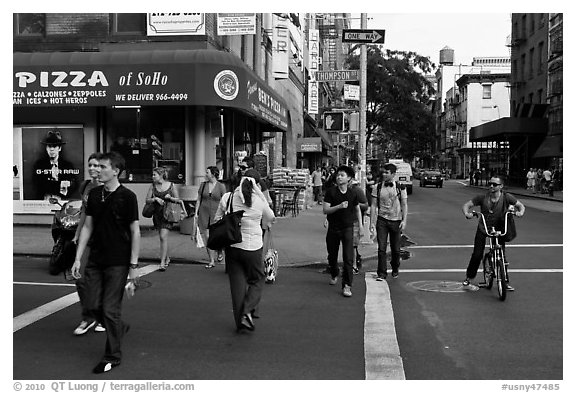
(334, 121)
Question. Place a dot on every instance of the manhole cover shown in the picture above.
(442, 286)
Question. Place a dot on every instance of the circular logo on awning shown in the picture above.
(226, 85)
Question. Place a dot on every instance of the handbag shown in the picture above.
(174, 212)
(271, 263)
(226, 231)
(148, 209)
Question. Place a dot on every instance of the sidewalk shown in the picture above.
(300, 241)
(522, 192)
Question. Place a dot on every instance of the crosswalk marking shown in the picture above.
(29, 317)
(472, 246)
(381, 351)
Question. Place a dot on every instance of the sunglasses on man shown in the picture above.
(494, 184)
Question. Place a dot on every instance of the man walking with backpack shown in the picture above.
(390, 205)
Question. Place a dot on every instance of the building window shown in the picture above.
(531, 98)
(540, 96)
(532, 23)
(147, 137)
(524, 27)
(129, 23)
(531, 63)
(541, 58)
(522, 67)
(487, 91)
(29, 24)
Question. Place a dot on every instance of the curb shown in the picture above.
(533, 196)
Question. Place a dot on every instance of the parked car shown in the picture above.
(431, 178)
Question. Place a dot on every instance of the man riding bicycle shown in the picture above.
(493, 205)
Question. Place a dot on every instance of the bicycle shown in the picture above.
(494, 263)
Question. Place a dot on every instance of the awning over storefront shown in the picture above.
(551, 147)
(148, 77)
(508, 126)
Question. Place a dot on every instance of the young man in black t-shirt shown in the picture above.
(341, 206)
(112, 230)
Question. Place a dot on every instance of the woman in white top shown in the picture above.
(244, 263)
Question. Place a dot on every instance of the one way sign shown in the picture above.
(359, 36)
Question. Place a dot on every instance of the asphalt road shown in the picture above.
(182, 324)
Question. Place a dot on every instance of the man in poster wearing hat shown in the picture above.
(53, 175)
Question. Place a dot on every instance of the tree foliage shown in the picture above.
(397, 99)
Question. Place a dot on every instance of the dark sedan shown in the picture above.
(431, 178)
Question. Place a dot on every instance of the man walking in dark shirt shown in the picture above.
(113, 233)
(341, 206)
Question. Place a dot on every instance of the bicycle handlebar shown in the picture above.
(494, 233)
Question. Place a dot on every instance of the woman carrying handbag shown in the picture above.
(160, 193)
(209, 196)
(244, 263)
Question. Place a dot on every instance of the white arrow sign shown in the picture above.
(363, 36)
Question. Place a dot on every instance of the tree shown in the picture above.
(397, 99)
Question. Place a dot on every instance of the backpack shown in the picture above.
(398, 190)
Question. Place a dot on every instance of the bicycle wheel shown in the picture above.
(500, 276)
(488, 276)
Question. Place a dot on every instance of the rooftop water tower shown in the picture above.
(447, 56)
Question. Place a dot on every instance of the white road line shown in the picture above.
(29, 317)
(381, 351)
(46, 284)
(472, 246)
(373, 273)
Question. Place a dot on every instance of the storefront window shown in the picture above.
(147, 137)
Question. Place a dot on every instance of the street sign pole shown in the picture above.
(362, 138)
(367, 238)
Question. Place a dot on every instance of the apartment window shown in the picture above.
(514, 69)
(129, 23)
(522, 66)
(486, 91)
(515, 32)
(541, 58)
(524, 27)
(531, 98)
(532, 23)
(540, 96)
(29, 24)
(531, 63)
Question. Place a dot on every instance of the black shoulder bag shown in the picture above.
(226, 231)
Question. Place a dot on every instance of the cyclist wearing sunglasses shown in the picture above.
(493, 205)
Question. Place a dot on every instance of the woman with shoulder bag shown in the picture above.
(160, 193)
(244, 263)
(209, 196)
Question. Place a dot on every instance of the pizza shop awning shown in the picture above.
(506, 127)
(147, 77)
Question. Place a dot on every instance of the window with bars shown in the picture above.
(486, 91)
(30, 24)
(128, 23)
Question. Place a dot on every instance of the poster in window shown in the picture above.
(52, 162)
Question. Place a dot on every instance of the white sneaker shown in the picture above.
(83, 327)
(99, 328)
(333, 281)
(347, 291)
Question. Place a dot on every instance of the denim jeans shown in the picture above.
(246, 274)
(333, 239)
(385, 228)
(478, 253)
(105, 289)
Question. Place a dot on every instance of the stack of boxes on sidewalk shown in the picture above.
(285, 180)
